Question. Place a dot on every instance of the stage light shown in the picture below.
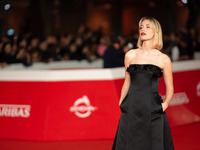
(7, 6)
(10, 32)
(130, 45)
(184, 1)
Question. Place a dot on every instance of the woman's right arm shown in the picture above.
(126, 84)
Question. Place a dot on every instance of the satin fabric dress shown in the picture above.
(143, 125)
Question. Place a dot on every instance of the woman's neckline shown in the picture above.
(148, 64)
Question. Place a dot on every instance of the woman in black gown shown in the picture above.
(143, 123)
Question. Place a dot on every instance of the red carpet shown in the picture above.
(185, 138)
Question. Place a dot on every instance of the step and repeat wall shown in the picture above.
(52, 105)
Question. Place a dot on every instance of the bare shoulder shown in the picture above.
(130, 55)
(165, 60)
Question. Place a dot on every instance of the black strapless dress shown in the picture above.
(143, 125)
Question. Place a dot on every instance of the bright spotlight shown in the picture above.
(184, 1)
(10, 32)
(7, 6)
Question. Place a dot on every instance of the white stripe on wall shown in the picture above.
(82, 74)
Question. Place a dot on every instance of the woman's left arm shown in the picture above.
(168, 78)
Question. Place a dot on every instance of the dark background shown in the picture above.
(46, 17)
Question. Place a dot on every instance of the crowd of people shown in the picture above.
(28, 49)
(87, 44)
(181, 45)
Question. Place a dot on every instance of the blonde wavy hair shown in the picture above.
(157, 39)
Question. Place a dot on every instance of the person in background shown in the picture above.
(113, 57)
(191, 43)
(6, 56)
(103, 45)
(172, 49)
(198, 43)
(127, 47)
(23, 57)
(183, 45)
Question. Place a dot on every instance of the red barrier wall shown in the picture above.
(80, 104)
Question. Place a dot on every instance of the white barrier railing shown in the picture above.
(72, 64)
(56, 65)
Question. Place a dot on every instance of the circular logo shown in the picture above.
(82, 107)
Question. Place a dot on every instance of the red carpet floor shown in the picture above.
(185, 138)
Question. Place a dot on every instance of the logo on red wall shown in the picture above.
(178, 99)
(8, 110)
(82, 107)
(198, 89)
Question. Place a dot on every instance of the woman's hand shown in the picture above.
(120, 102)
(164, 106)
